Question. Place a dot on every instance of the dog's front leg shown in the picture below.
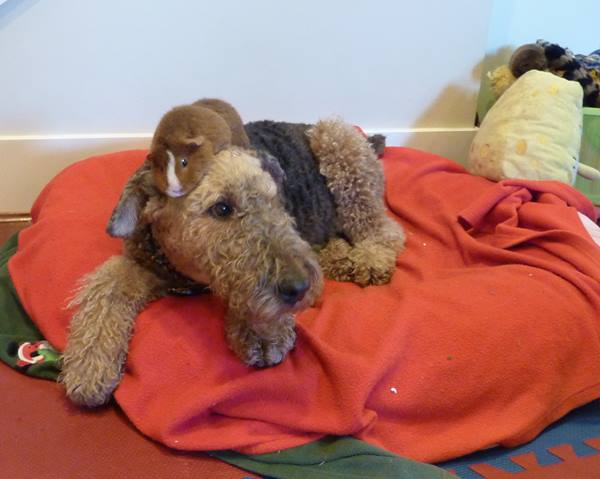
(109, 301)
(260, 344)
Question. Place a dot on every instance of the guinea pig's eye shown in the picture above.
(221, 209)
(184, 162)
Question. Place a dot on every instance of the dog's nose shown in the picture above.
(292, 290)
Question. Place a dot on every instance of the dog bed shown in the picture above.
(487, 333)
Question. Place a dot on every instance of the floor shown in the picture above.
(44, 436)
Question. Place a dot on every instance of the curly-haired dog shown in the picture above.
(259, 229)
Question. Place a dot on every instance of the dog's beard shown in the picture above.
(261, 305)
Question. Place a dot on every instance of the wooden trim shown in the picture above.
(10, 223)
(15, 218)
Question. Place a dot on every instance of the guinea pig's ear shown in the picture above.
(193, 144)
(221, 144)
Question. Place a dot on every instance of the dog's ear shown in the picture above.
(271, 165)
(126, 214)
(193, 144)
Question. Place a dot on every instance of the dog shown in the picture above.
(261, 229)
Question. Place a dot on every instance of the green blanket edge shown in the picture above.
(333, 458)
(22, 346)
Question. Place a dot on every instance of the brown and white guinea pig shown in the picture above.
(186, 137)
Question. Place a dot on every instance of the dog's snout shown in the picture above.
(292, 290)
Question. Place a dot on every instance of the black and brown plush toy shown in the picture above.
(550, 57)
(543, 55)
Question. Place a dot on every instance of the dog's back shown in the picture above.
(305, 191)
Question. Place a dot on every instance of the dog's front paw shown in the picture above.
(265, 353)
(254, 350)
(88, 382)
(251, 352)
(275, 349)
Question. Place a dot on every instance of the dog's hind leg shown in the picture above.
(109, 301)
(366, 262)
(354, 176)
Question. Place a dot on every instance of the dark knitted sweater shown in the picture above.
(305, 192)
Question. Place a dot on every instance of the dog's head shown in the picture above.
(233, 233)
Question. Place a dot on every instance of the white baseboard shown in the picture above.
(28, 162)
(453, 143)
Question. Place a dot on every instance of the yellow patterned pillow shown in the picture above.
(532, 132)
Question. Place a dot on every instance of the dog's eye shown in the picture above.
(184, 162)
(221, 209)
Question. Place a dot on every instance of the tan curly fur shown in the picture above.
(245, 256)
(109, 301)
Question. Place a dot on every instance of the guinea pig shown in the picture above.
(186, 137)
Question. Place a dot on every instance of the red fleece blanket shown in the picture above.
(487, 333)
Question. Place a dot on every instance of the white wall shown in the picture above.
(110, 68)
(571, 24)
